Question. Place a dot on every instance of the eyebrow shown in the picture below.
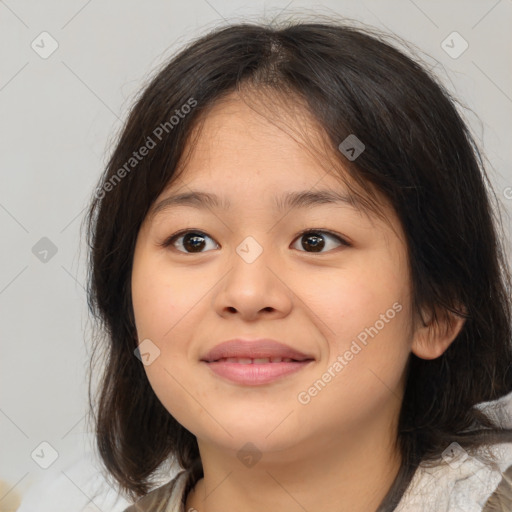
(305, 199)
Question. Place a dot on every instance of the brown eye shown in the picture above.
(195, 241)
(190, 241)
(315, 241)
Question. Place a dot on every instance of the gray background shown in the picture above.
(59, 116)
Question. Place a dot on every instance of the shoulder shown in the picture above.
(459, 482)
(166, 498)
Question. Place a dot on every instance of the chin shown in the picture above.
(252, 441)
(267, 433)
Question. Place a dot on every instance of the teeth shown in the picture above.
(258, 360)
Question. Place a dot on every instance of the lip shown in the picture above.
(254, 373)
(253, 349)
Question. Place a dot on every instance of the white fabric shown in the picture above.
(462, 485)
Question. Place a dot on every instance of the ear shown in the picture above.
(433, 336)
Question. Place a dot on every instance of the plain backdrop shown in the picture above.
(68, 74)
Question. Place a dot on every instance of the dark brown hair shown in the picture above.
(419, 154)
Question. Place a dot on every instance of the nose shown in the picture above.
(253, 286)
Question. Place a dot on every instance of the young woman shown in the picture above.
(297, 267)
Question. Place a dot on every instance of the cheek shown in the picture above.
(365, 319)
(367, 347)
(166, 306)
(162, 303)
(358, 299)
(161, 297)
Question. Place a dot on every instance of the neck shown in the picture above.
(349, 472)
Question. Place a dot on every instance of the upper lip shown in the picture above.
(256, 348)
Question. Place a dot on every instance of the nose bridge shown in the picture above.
(250, 274)
(252, 284)
(250, 249)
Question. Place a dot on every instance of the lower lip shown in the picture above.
(253, 374)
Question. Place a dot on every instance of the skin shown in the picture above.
(336, 452)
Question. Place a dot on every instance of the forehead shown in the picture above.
(246, 144)
(259, 154)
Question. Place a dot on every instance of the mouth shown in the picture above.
(254, 362)
(256, 351)
(258, 360)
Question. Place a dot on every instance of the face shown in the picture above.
(325, 279)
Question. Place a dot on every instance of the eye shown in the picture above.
(193, 241)
(315, 240)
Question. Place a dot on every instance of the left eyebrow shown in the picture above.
(305, 199)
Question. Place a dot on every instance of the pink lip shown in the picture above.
(254, 373)
(253, 349)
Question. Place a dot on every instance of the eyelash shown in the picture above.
(171, 239)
